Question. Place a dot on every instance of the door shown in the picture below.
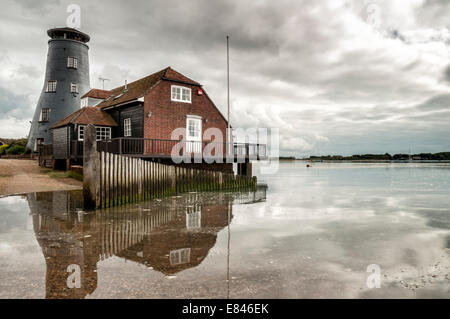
(194, 134)
(38, 144)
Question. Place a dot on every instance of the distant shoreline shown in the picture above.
(363, 161)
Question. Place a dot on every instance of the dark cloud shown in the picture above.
(320, 71)
(447, 74)
(436, 103)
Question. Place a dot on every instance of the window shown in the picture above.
(38, 142)
(73, 88)
(84, 102)
(180, 256)
(103, 133)
(181, 94)
(72, 63)
(45, 115)
(127, 127)
(194, 219)
(194, 128)
(193, 134)
(80, 132)
(51, 86)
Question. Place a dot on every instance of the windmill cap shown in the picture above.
(70, 33)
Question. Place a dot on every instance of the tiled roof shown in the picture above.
(173, 75)
(97, 94)
(141, 87)
(87, 115)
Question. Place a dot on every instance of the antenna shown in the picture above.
(103, 81)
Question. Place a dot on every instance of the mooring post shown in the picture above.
(91, 169)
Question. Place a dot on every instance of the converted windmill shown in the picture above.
(66, 80)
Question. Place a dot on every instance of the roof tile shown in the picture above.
(87, 115)
(97, 94)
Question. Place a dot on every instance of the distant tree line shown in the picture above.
(384, 157)
(287, 158)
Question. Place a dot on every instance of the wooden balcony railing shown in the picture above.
(144, 147)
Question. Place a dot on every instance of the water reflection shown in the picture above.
(169, 235)
(314, 237)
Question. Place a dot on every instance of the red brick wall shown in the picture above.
(168, 115)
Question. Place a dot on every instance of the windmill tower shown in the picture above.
(66, 80)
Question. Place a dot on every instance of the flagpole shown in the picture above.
(228, 97)
(229, 148)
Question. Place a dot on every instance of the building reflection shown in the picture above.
(169, 235)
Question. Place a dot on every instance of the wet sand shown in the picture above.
(25, 176)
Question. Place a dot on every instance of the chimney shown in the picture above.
(126, 86)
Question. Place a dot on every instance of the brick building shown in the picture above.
(140, 117)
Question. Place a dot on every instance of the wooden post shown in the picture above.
(173, 179)
(91, 169)
(141, 177)
(102, 179)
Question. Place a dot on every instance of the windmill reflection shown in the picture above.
(170, 235)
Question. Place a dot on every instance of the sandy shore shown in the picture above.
(25, 176)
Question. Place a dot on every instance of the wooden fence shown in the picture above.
(125, 180)
(112, 179)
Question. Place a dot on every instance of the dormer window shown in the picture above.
(45, 115)
(73, 88)
(181, 94)
(51, 86)
(72, 63)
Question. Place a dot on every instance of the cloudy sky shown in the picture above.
(335, 76)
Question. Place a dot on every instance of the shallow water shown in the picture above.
(312, 234)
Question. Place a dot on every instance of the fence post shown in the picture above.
(172, 176)
(91, 169)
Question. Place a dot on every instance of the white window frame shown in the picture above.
(194, 142)
(81, 128)
(180, 256)
(197, 119)
(73, 88)
(72, 62)
(51, 86)
(181, 93)
(127, 132)
(36, 144)
(103, 133)
(41, 116)
(194, 219)
(100, 130)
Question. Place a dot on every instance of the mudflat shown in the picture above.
(25, 176)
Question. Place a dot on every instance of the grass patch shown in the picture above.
(75, 175)
(68, 174)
